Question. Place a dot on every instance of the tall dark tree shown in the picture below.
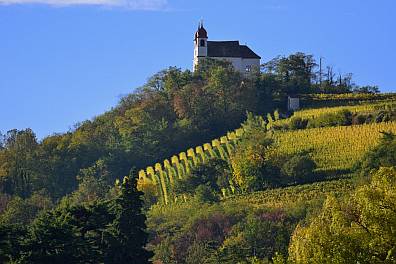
(126, 236)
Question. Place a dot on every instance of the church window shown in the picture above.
(202, 43)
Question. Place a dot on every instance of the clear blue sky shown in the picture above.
(64, 61)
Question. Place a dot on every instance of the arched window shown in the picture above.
(202, 43)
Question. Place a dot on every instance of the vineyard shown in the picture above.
(367, 107)
(161, 177)
(350, 96)
(282, 197)
(312, 113)
(327, 100)
(288, 197)
(332, 148)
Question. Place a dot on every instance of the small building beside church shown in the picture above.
(241, 57)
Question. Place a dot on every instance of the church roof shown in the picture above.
(230, 49)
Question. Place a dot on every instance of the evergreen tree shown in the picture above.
(126, 235)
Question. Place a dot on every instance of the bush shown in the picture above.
(359, 119)
(383, 155)
(299, 169)
(386, 115)
(214, 174)
(204, 193)
(261, 235)
(340, 118)
(252, 166)
(298, 123)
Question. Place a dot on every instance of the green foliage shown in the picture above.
(251, 165)
(260, 236)
(258, 165)
(11, 239)
(341, 118)
(55, 237)
(300, 168)
(382, 155)
(23, 211)
(294, 73)
(17, 172)
(89, 190)
(213, 174)
(111, 231)
(126, 235)
(206, 194)
(370, 89)
(298, 123)
(201, 229)
(172, 112)
(358, 229)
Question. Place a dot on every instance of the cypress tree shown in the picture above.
(126, 235)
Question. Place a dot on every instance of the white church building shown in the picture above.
(241, 56)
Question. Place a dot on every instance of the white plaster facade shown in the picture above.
(240, 64)
(241, 57)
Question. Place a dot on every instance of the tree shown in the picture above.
(260, 236)
(252, 167)
(17, 166)
(67, 234)
(383, 155)
(126, 236)
(358, 229)
(299, 168)
(11, 239)
(296, 72)
(23, 211)
(372, 89)
(109, 231)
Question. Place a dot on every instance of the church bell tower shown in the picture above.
(200, 44)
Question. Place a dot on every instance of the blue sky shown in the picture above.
(65, 61)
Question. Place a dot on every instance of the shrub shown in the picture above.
(298, 123)
(340, 118)
(299, 169)
(205, 232)
(252, 167)
(205, 194)
(261, 235)
(383, 155)
(214, 174)
(359, 119)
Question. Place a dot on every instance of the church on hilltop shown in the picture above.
(241, 57)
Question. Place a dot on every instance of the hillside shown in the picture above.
(222, 228)
(335, 149)
(227, 174)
